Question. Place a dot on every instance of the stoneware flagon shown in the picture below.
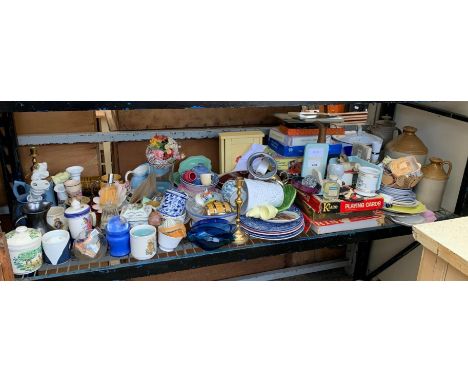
(406, 144)
(430, 190)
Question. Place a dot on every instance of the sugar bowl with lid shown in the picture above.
(24, 245)
(79, 218)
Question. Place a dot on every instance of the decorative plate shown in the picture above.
(261, 226)
(278, 237)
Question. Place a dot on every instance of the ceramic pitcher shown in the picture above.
(430, 189)
(34, 216)
(138, 175)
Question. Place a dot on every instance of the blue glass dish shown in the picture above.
(210, 237)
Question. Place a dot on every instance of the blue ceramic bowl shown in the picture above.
(210, 237)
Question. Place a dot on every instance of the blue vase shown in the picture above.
(118, 236)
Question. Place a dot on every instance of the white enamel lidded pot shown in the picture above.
(24, 245)
(80, 218)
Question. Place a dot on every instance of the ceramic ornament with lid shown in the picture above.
(24, 245)
(79, 217)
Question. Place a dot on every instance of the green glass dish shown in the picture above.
(289, 196)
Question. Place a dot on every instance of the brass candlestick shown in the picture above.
(239, 235)
(33, 154)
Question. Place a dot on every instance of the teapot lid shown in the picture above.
(23, 236)
(76, 208)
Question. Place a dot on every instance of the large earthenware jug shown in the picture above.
(35, 216)
(430, 189)
(407, 144)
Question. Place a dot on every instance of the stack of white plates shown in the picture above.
(403, 197)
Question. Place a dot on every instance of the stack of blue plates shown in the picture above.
(268, 230)
(404, 197)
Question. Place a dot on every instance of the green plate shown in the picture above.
(289, 196)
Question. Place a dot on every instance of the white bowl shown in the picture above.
(168, 243)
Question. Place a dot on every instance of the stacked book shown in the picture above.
(336, 215)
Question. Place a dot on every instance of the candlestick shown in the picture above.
(239, 235)
(33, 153)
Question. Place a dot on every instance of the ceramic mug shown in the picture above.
(56, 218)
(75, 172)
(56, 246)
(189, 176)
(73, 188)
(143, 242)
(206, 179)
(229, 192)
(367, 182)
(173, 203)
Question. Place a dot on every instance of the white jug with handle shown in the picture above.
(139, 174)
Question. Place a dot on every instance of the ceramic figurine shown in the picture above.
(24, 245)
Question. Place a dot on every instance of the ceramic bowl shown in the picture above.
(168, 243)
(196, 213)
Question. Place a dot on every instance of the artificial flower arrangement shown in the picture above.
(162, 151)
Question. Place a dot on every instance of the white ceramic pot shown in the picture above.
(56, 218)
(168, 243)
(260, 193)
(73, 188)
(143, 242)
(368, 181)
(79, 218)
(75, 172)
(56, 245)
(24, 245)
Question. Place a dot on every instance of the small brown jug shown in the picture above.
(430, 189)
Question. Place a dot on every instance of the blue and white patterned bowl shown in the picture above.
(173, 203)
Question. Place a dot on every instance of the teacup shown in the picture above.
(56, 218)
(206, 179)
(143, 242)
(75, 172)
(56, 245)
(73, 188)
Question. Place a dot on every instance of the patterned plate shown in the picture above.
(278, 237)
(261, 226)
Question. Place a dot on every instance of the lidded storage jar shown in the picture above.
(430, 189)
(407, 144)
(24, 245)
(118, 236)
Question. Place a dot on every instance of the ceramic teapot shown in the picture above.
(139, 174)
(35, 216)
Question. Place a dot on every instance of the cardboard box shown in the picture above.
(292, 165)
(322, 206)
